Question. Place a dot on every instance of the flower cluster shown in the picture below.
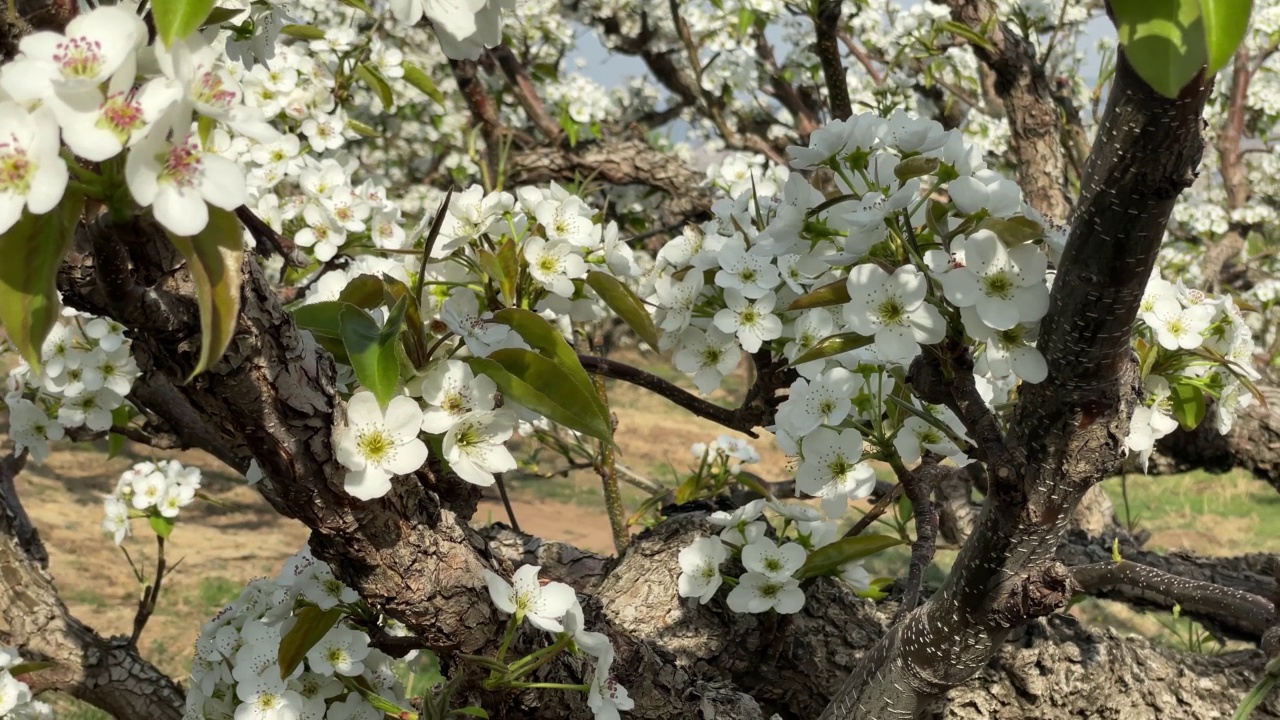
(772, 569)
(86, 371)
(1190, 344)
(553, 607)
(16, 702)
(237, 673)
(149, 489)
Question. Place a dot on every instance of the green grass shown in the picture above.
(1210, 514)
(87, 597)
(217, 592)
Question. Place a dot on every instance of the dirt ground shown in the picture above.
(224, 544)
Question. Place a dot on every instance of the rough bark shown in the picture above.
(108, 673)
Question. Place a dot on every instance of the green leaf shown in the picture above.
(366, 291)
(472, 711)
(115, 441)
(623, 301)
(370, 76)
(214, 256)
(967, 33)
(418, 78)
(322, 319)
(303, 32)
(828, 559)
(26, 668)
(176, 19)
(1164, 41)
(362, 129)
(1225, 25)
(413, 336)
(360, 5)
(1188, 404)
(877, 590)
(509, 262)
(834, 345)
(833, 293)
(544, 387)
(162, 525)
(30, 253)
(372, 353)
(309, 628)
(1013, 231)
(1259, 691)
(219, 15)
(543, 337)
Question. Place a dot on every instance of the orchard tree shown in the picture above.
(359, 253)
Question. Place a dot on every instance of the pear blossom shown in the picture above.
(757, 593)
(93, 47)
(752, 275)
(700, 569)
(341, 651)
(1149, 424)
(825, 400)
(1006, 285)
(452, 391)
(708, 356)
(752, 320)
(32, 175)
(542, 605)
(986, 190)
(893, 309)
(775, 562)
(676, 299)
(471, 214)
(554, 264)
(831, 468)
(474, 447)
(375, 445)
(1179, 327)
(31, 429)
(177, 178)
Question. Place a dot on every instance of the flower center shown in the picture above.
(891, 312)
(454, 403)
(839, 467)
(121, 115)
(750, 316)
(770, 590)
(773, 564)
(16, 169)
(998, 285)
(181, 164)
(79, 57)
(548, 264)
(375, 444)
(711, 356)
(337, 657)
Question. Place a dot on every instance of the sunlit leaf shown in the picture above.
(413, 336)
(1225, 25)
(833, 293)
(418, 78)
(30, 253)
(162, 525)
(547, 340)
(322, 319)
(544, 387)
(374, 80)
(1188, 404)
(176, 19)
(214, 256)
(365, 291)
(834, 345)
(371, 349)
(31, 666)
(828, 559)
(623, 301)
(303, 32)
(1164, 41)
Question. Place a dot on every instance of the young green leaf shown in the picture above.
(833, 293)
(214, 256)
(834, 345)
(548, 341)
(322, 319)
(1188, 404)
(176, 19)
(162, 525)
(365, 291)
(1164, 41)
(1225, 25)
(303, 32)
(828, 559)
(370, 76)
(371, 351)
(413, 336)
(626, 304)
(544, 387)
(30, 253)
(310, 626)
(418, 78)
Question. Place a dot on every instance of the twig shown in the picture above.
(525, 92)
(918, 485)
(883, 504)
(609, 473)
(264, 234)
(150, 594)
(1194, 596)
(732, 418)
(26, 533)
(506, 501)
(826, 23)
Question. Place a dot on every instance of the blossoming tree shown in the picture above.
(353, 251)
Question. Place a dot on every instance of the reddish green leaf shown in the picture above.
(833, 293)
(834, 345)
(214, 256)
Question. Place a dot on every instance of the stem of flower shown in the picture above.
(528, 664)
(506, 640)
(550, 686)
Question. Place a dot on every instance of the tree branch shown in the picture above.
(731, 418)
(826, 25)
(1243, 611)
